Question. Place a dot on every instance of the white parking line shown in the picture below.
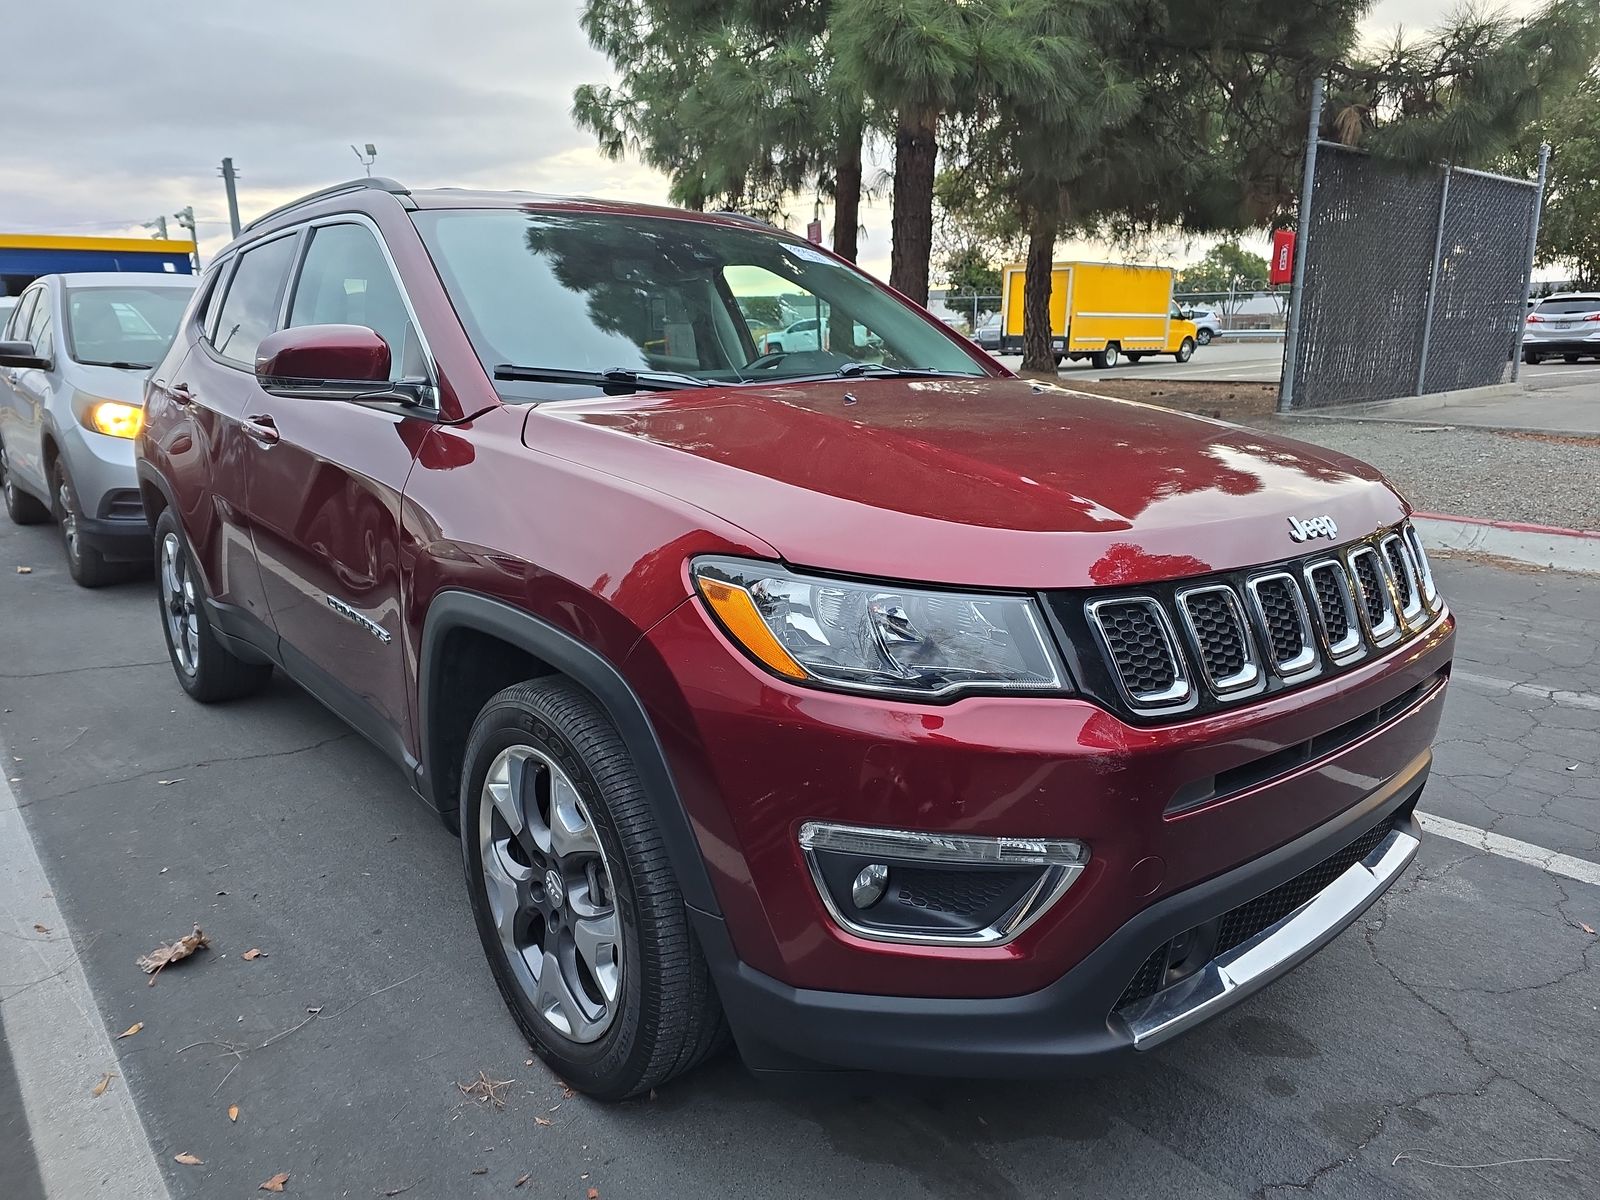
(87, 1145)
(1490, 684)
(1556, 863)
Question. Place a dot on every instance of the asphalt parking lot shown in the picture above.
(1445, 1046)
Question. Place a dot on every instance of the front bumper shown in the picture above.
(1079, 1023)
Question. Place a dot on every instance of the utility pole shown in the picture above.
(229, 176)
(185, 217)
(160, 227)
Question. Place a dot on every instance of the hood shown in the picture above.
(108, 383)
(988, 482)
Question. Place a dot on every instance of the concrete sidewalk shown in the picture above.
(1561, 400)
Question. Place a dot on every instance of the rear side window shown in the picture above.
(345, 280)
(250, 309)
(1578, 304)
(39, 326)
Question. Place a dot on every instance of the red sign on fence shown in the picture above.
(1282, 256)
(814, 233)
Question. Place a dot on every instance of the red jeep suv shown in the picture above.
(857, 700)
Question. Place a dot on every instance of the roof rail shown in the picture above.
(375, 182)
(744, 217)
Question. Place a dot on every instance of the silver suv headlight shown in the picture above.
(880, 638)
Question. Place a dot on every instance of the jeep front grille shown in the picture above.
(1246, 632)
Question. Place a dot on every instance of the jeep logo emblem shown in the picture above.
(1312, 527)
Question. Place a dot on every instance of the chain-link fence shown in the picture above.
(1411, 281)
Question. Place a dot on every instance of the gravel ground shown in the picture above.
(1473, 472)
(1546, 479)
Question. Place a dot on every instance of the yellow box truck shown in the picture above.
(1102, 311)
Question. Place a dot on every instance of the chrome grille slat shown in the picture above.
(1419, 556)
(1408, 588)
(1377, 603)
(1220, 635)
(1336, 610)
(1138, 640)
(1285, 624)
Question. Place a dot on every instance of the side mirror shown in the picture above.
(323, 362)
(21, 354)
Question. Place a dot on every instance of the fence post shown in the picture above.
(1291, 338)
(1433, 281)
(1533, 251)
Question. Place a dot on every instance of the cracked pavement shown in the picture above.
(1457, 1024)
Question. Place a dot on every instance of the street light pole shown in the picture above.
(160, 227)
(229, 176)
(185, 217)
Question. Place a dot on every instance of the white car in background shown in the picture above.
(1207, 324)
(803, 336)
(1565, 325)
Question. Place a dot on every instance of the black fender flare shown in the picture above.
(452, 609)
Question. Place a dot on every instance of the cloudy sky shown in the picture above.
(117, 112)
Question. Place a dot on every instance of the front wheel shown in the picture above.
(87, 566)
(1203, 336)
(1532, 358)
(1107, 358)
(1185, 350)
(575, 902)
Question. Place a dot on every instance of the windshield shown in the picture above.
(1578, 304)
(593, 292)
(122, 326)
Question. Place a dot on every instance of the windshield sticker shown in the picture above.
(806, 253)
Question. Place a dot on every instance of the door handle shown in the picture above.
(262, 429)
(180, 393)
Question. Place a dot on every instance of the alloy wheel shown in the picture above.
(179, 604)
(67, 507)
(549, 889)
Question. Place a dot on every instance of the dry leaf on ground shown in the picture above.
(522, 1179)
(479, 1171)
(275, 1184)
(252, 954)
(1586, 927)
(24, 570)
(594, 1194)
(38, 928)
(542, 1121)
(164, 956)
(99, 1089)
(130, 1030)
(233, 1112)
(188, 1160)
(486, 1090)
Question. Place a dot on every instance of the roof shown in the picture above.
(90, 279)
(50, 241)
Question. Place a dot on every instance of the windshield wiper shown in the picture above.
(644, 381)
(122, 366)
(853, 370)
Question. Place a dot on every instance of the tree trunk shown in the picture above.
(1037, 338)
(916, 146)
(847, 193)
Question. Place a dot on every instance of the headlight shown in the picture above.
(112, 417)
(879, 637)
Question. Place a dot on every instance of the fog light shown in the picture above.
(937, 889)
(867, 890)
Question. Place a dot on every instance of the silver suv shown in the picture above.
(73, 357)
(1566, 324)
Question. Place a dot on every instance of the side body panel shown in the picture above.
(1128, 305)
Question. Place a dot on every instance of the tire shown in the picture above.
(205, 668)
(1185, 350)
(87, 566)
(21, 507)
(1107, 359)
(625, 1015)
(1133, 358)
(1203, 336)
(1569, 358)
(1532, 357)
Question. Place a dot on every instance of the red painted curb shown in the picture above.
(1514, 526)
